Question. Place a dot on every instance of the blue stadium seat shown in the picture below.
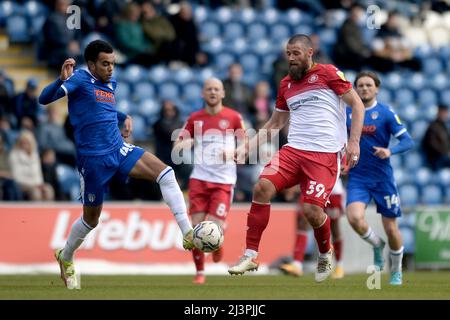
(408, 237)
(432, 66)
(443, 177)
(205, 73)
(224, 15)
(384, 95)
(192, 91)
(69, 180)
(158, 74)
(267, 63)
(402, 176)
(294, 17)
(17, 29)
(238, 46)
(416, 82)
(250, 62)
(270, 16)
(182, 75)
(139, 128)
(246, 15)
(149, 108)
(33, 9)
(409, 113)
(122, 91)
(427, 97)
(213, 47)
(9, 8)
(418, 129)
(209, 30)
(432, 195)
(423, 176)
(134, 73)
(335, 18)
(447, 195)
(445, 97)
(394, 81)
(263, 46)
(302, 28)
(396, 162)
(143, 91)
(124, 105)
(232, 31)
(428, 112)
(409, 195)
(327, 36)
(403, 97)
(439, 82)
(256, 31)
(168, 90)
(36, 24)
(223, 60)
(413, 162)
(280, 32)
(201, 13)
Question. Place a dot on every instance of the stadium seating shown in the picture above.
(409, 195)
(69, 180)
(143, 91)
(17, 28)
(432, 194)
(413, 161)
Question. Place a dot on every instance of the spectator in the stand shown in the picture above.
(8, 187)
(108, 16)
(6, 96)
(350, 51)
(48, 159)
(26, 169)
(26, 104)
(186, 45)
(238, 94)
(158, 30)
(131, 39)
(260, 108)
(169, 120)
(436, 141)
(391, 46)
(319, 55)
(51, 135)
(59, 41)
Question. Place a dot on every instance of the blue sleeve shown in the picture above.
(72, 83)
(121, 117)
(405, 143)
(52, 92)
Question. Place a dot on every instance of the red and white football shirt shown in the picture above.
(213, 135)
(317, 111)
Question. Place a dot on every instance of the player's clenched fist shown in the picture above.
(67, 69)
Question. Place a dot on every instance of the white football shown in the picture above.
(208, 236)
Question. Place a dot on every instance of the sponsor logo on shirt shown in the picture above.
(104, 96)
(297, 104)
(370, 130)
(313, 78)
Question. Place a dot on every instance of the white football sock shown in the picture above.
(78, 233)
(396, 259)
(173, 196)
(372, 238)
(251, 253)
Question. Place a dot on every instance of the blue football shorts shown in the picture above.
(97, 171)
(384, 194)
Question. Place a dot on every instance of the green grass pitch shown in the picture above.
(416, 285)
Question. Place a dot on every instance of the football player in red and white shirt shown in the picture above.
(312, 98)
(213, 132)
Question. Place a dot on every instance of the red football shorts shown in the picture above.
(316, 172)
(210, 198)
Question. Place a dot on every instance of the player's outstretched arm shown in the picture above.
(352, 99)
(54, 91)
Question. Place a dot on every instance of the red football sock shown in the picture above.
(199, 259)
(337, 245)
(322, 235)
(257, 221)
(300, 246)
